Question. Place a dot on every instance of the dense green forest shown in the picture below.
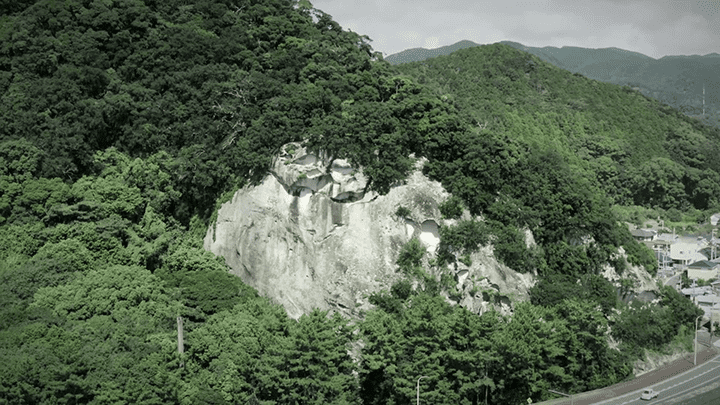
(420, 54)
(688, 83)
(685, 82)
(639, 151)
(124, 122)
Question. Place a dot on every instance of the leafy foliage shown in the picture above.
(203, 283)
(122, 125)
(410, 258)
(452, 208)
(551, 291)
(429, 337)
(654, 158)
(460, 240)
(402, 212)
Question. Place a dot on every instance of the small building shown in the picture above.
(665, 264)
(714, 218)
(643, 234)
(710, 304)
(713, 249)
(658, 245)
(715, 286)
(682, 254)
(694, 292)
(703, 270)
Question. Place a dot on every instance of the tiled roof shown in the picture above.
(708, 299)
(697, 291)
(704, 265)
(645, 233)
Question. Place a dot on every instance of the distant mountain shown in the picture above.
(418, 54)
(598, 62)
(674, 80)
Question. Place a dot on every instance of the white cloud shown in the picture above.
(432, 42)
(652, 27)
(409, 37)
(543, 23)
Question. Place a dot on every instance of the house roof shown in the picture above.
(703, 265)
(697, 291)
(686, 251)
(707, 251)
(670, 237)
(714, 218)
(658, 242)
(708, 299)
(644, 233)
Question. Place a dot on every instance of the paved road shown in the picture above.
(675, 389)
(677, 382)
(712, 396)
(672, 280)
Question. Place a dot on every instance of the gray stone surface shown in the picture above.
(309, 236)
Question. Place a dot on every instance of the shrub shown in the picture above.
(674, 215)
(452, 208)
(410, 258)
(402, 212)
(510, 249)
(387, 302)
(461, 239)
(402, 289)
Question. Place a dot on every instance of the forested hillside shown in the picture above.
(636, 149)
(218, 85)
(688, 83)
(676, 80)
(419, 54)
(124, 122)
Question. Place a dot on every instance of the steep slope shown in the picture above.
(218, 85)
(123, 122)
(674, 80)
(309, 236)
(638, 150)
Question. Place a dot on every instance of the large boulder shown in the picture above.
(311, 236)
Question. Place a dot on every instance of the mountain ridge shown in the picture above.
(676, 80)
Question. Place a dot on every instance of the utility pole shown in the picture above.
(696, 329)
(712, 321)
(181, 343)
(418, 388)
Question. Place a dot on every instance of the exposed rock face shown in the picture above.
(489, 284)
(645, 285)
(310, 236)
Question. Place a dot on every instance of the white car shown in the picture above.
(649, 394)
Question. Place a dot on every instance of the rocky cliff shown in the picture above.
(310, 236)
(644, 285)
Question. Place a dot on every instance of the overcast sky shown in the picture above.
(653, 27)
